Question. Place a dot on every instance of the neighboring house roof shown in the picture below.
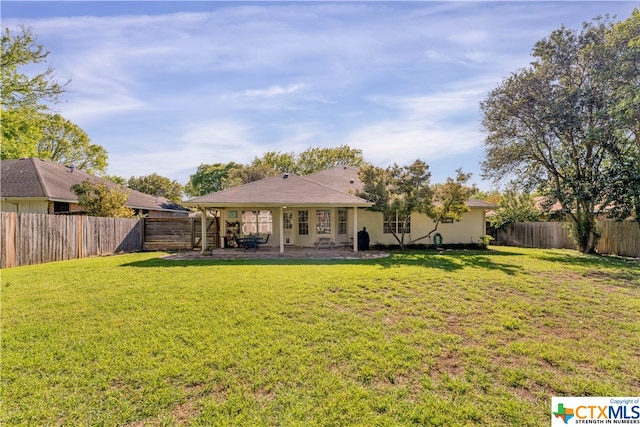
(542, 205)
(41, 179)
(286, 189)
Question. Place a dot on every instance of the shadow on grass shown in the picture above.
(626, 271)
(448, 261)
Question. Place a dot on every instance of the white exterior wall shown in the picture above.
(26, 206)
(468, 231)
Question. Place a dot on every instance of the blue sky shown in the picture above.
(166, 86)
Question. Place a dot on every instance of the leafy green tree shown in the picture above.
(403, 190)
(317, 159)
(310, 160)
(450, 200)
(63, 142)
(208, 179)
(241, 174)
(623, 44)
(21, 132)
(276, 161)
(558, 126)
(97, 199)
(19, 89)
(28, 127)
(157, 185)
(514, 206)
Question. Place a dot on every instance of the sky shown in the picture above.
(167, 86)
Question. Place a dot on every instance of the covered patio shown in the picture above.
(290, 211)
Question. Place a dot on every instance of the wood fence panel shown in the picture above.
(619, 238)
(28, 239)
(8, 226)
(168, 233)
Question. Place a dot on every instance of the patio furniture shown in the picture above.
(252, 242)
(324, 242)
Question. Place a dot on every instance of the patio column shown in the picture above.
(355, 229)
(281, 225)
(203, 229)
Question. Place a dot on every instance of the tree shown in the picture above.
(403, 190)
(18, 89)
(208, 179)
(515, 206)
(557, 126)
(317, 159)
(450, 200)
(157, 185)
(63, 142)
(310, 160)
(623, 44)
(276, 161)
(28, 127)
(242, 174)
(97, 199)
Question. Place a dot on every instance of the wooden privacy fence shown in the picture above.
(618, 238)
(27, 239)
(179, 233)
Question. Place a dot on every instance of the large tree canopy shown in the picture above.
(62, 141)
(562, 125)
(310, 160)
(157, 185)
(29, 129)
(208, 179)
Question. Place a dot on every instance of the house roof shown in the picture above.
(331, 187)
(286, 189)
(41, 179)
(343, 178)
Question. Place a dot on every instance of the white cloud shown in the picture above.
(272, 91)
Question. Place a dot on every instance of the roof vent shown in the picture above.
(344, 167)
(351, 181)
(285, 176)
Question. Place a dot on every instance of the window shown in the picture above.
(342, 221)
(303, 222)
(323, 222)
(288, 220)
(60, 207)
(257, 222)
(392, 223)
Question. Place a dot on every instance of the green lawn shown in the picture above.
(420, 338)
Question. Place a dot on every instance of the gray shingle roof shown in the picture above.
(37, 178)
(287, 189)
(333, 186)
(343, 178)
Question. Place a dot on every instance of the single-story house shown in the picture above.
(321, 210)
(39, 186)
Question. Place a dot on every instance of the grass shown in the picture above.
(458, 338)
